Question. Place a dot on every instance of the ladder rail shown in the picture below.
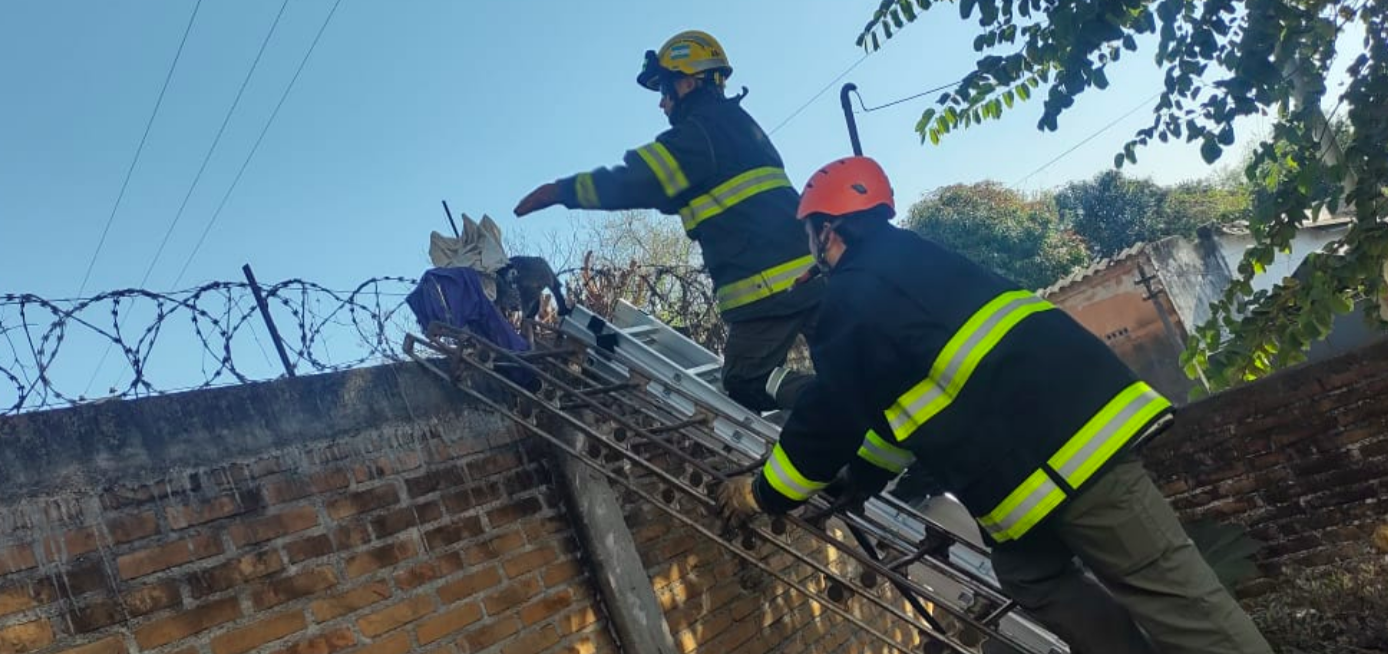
(553, 388)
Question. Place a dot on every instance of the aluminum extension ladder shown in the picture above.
(634, 379)
(637, 340)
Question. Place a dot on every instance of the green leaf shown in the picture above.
(1210, 151)
(1024, 92)
(966, 8)
(1007, 98)
(1340, 304)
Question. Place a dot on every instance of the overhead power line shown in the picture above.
(254, 148)
(215, 141)
(198, 177)
(1089, 138)
(816, 96)
(130, 170)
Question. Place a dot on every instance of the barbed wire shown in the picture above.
(38, 336)
(214, 335)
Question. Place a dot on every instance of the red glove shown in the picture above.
(546, 195)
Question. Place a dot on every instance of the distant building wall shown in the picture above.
(1108, 301)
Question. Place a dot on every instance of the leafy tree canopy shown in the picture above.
(1222, 60)
(1022, 240)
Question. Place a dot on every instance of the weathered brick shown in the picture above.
(474, 583)
(127, 496)
(395, 616)
(131, 527)
(274, 526)
(350, 601)
(107, 645)
(235, 572)
(19, 557)
(546, 607)
(163, 557)
(494, 548)
(309, 548)
(398, 520)
(287, 490)
(440, 566)
(434, 481)
(454, 531)
(351, 535)
(72, 544)
(398, 643)
(93, 615)
(518, 510)
(590, 644)
(259, 633)
(25, 637)
(22, 596)
(542, 530)
(182, 517)
(484, 493)
(80, 579)
(454, 619)
(325, 643)
(527, 561)
(380, 557)
(511, 595)
(151, 598)
(330, 480)
(492, 464)
(476, 640)
(167, 630)
(560, 572)
(287, 589)
(363, 501)
(534, 641)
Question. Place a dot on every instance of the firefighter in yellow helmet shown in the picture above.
(716, 169)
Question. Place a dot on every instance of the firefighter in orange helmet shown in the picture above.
(1013, 407)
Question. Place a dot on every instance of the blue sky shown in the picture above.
(409, 102)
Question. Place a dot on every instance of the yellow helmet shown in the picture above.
(687, 53)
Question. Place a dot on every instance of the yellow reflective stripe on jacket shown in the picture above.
(786, 479)
(1109, 429)
(957, 361)
(666, 169)
(1023, 508)
(879, 452)
(585, 191)
(762, 285)
(729, 193)
(1075, 462)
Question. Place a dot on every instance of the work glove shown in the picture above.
(737, 502)
(545, 195)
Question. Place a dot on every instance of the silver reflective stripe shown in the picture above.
(730, 193)
(773, 382)
(894, 458)
(666, 169)
(786, 478)
(765, 284)
(1025, 513)
(1107, 433)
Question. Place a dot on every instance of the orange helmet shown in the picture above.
(847, 186)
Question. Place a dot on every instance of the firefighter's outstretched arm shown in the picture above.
(649, 177)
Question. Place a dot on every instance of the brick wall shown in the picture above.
(715, 602)
(1301, 458)
(365, 513)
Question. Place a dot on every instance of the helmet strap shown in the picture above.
(820, 244)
